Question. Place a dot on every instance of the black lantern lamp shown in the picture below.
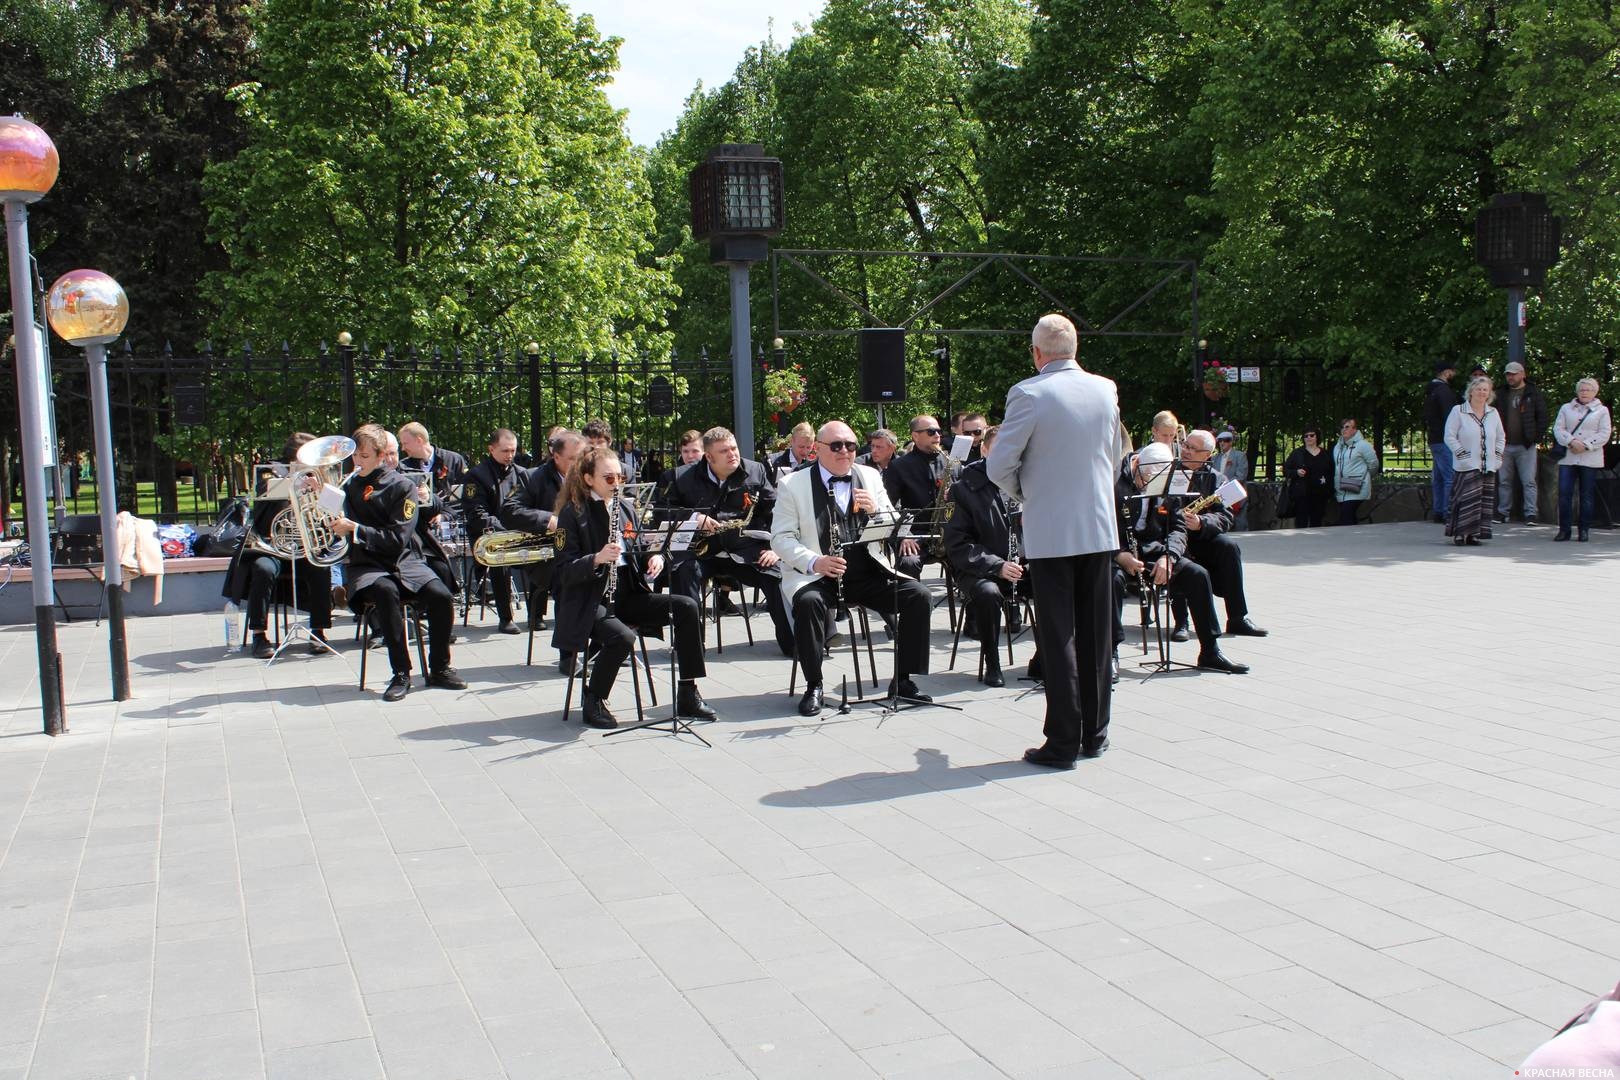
(1516, 240)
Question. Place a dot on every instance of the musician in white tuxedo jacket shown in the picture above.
(834, 490)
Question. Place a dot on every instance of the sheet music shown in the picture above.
(331, 499)
(1180, 482)
(1231, 493)
(961, 447)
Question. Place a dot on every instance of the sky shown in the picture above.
(669, 45)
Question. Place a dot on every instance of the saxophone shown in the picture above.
(615, 536)
(513, 547)
(704, 543)
(944, 506)
(1198, 506)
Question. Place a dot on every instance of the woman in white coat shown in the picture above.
(1581, 431)
(1476, 438)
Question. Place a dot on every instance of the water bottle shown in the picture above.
(231, 611)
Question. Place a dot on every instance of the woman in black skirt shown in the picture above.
(589, 621)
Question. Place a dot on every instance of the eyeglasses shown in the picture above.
(841, 447)
(611, 478)
(970, 431)
(925, 431)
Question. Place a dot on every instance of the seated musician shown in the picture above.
(446, 467)
(429, 509)
(1161, 538)
(809, 503)
(978, 541)
(255, 574)
(725, 491)
(690, 450)
(531, 507)
(385, 566)
(483, 493)
(589, 618)
(1207, 541)
(801, 451)
(884, 444)
(916, 481)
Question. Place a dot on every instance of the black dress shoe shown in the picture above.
(1095, 750)
(1471, 541)
(398, 686)
(1037, 671)
(1562, 534)
(1210, 659)
(447, 679)
(1179, 633)
(568, 664)
(992, 670)
(1244, 627)
(905, 688)
(538, 623)
(1043, 757)
(262, 649)
(508, 627)
(810, 704)
(689, 702)
(595, 712)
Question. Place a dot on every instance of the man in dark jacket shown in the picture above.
(1524, 420)
(915, 481)
(1437, 406)
(978, 542)
(531, 507)
(483, 494)
(1207, 541)
(418, 454)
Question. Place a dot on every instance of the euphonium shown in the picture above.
(513, 547)
(320, 544)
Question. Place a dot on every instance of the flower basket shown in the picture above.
(785, 389)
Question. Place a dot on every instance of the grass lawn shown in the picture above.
(189, 503)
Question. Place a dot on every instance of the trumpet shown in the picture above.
(513, 547)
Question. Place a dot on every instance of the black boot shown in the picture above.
(595, 711)
(1562, 534)
(992, 668)
(262, 649)
(690, 703)
(1583, 535)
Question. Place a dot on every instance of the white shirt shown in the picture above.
(842, 492)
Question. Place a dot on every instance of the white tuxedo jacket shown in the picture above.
(794, 536)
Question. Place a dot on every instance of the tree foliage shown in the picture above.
(419, 170)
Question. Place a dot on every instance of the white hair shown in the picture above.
(393, 441)
(1055, 336)
(1588, 381)
(1201, 440)
(1480, 381)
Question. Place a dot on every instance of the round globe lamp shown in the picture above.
(87, 307)
(28, 161)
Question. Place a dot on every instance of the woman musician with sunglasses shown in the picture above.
(600, 546)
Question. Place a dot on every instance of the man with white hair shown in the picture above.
(1056, 454)
(1207, 541)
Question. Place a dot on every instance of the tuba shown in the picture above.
(311, 522)
(513, 547)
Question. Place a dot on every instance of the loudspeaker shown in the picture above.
(883, 366)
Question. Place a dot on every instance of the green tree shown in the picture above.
(428, 171)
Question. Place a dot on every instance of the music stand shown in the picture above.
(676, 537)
(883, 527)
(1161, 623)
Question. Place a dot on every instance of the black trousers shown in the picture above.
(688, 575)
(314, 582)
(1072, 596)
(387, 599)
(985, 602)
(872, 587)
(613, 636)
(500, 583)
(1223, 558)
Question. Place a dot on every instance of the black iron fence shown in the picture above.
(187, 428)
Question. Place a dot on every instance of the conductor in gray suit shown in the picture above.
(1056, 454)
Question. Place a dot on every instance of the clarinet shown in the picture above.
(614, 537)
(1015, 548)
(835, 542)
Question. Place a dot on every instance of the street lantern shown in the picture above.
(737, 205)
(1516, 240)
(28, 168)
(89, 309)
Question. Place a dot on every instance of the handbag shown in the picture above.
(1350, 484)
(1558, 449)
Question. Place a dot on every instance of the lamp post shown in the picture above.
(28, 167)
(1516, 240)
(89, 309)
(736, 205)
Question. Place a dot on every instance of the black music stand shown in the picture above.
(884, 528)
(1161, 620)
(674, 723)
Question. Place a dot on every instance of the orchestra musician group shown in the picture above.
(810, 531)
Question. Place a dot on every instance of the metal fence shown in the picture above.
(187, 428)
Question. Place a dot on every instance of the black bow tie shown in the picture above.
(842, 479)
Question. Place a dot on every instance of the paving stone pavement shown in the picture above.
(1388, 852)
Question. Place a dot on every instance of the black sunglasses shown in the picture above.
(840, 446)
(925, 431)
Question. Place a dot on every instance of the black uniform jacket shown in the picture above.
(530, 504)
(913, 479)
(1204, 481)
(483, 493)
(579, 580)
(977, 534)
(747, 489)
(1158, 526)
(447, 469)
(664, 491)
(383, 504)
(238, 577)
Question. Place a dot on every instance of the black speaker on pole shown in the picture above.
(883, 366)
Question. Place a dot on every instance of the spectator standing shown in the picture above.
(1582, 431)
(1437, 405)
(1230, 463)
(1523, 409)
(1475, 438)
(1354, 463)
(1310, 480)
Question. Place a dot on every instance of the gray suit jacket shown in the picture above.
(1057, 453)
